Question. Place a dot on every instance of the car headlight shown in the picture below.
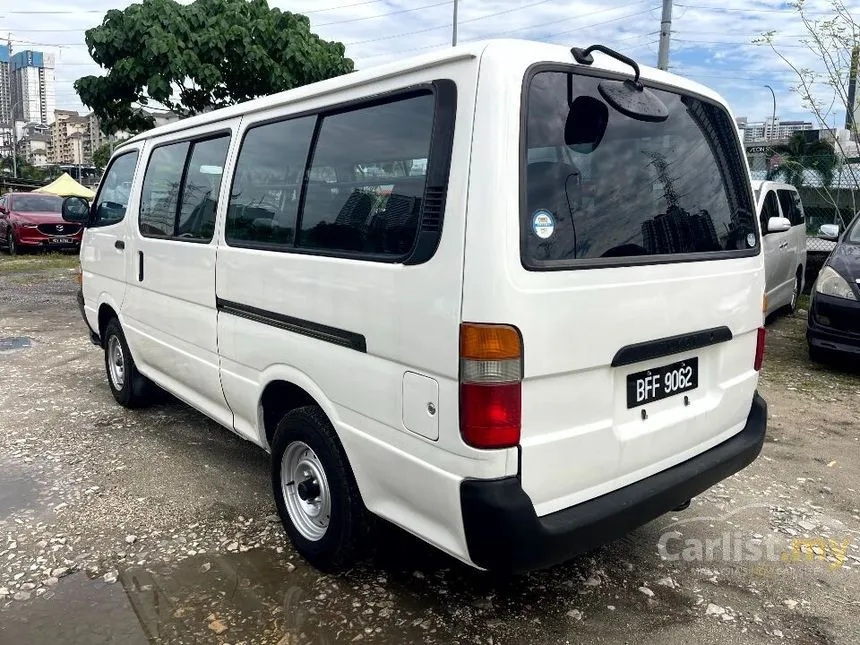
(830, 283)
(26, 225)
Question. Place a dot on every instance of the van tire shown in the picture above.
(345, 536)
(130, 388)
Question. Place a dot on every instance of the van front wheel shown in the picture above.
(130, 388)
(315, 492)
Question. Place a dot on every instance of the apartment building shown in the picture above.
(70, 139)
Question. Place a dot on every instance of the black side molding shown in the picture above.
(328, 334)
(670, 345)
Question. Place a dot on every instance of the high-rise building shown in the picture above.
(70, 139)
(31, 76)
(5, 89)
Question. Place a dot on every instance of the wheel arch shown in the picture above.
(286, 389)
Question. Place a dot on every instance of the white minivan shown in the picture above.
(506, 296)
(783, 227)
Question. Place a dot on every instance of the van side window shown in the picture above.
(160, 194)
(367, 178)
(769, 209)
(264, 198)
(112, 199)
(791, 207)
(200, 190)
(180, 189)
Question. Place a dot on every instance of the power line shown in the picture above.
(555, 22)
(383, 15)
(448, 25)
(721, 42)
(713, 8)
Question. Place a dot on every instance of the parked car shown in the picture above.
(783, 227)
(34, 220)
(834, 312)
(515, 356)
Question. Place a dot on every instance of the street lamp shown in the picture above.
(773, 118)
(14, 143)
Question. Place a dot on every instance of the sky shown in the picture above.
(711, 39)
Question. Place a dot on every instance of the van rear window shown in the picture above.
(603, 188)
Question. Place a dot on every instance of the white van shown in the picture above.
(783, 227)
(506, 296)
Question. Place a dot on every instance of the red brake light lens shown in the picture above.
(490, 415)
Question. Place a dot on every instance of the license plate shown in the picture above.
(62, 240)
(662, 382)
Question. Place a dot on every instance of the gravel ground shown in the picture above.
(157, 526)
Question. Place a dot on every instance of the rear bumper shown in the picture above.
(503, 533)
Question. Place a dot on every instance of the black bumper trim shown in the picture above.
(503, 533)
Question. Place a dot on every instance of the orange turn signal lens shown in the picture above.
(764, 304)
(485, 342)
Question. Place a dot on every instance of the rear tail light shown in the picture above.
(491, 373)
(759, 349)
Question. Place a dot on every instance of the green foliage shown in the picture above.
(204, 55)
(791, 160)
(25, 169)
(101, 155)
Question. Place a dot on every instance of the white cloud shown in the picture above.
(710, 45)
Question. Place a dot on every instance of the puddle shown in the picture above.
(14, 343)
(254, 597)
(261, 597)
(17, 488)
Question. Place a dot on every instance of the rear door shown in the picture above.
(792, 208)
(634, 275)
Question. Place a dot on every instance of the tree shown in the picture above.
(793, 159)
(101, 155)
(25, 169)
(196, 57)
(831, 43)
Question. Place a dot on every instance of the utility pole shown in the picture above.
(665, 32)
(454, 27)
(14, 143)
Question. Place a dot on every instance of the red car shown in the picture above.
(33, 220)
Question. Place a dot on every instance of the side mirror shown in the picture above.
(778, 225)
(76, 209)
(829, 231)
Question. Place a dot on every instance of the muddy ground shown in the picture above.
(157, 526)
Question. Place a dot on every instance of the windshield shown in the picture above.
(854, 235)
(37, 203)
(676, 187)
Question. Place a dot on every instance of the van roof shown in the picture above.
(502, 52)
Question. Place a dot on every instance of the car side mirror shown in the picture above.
(778, 225)
(76, 209)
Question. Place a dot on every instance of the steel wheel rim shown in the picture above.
(116, 364)
(309, 516)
